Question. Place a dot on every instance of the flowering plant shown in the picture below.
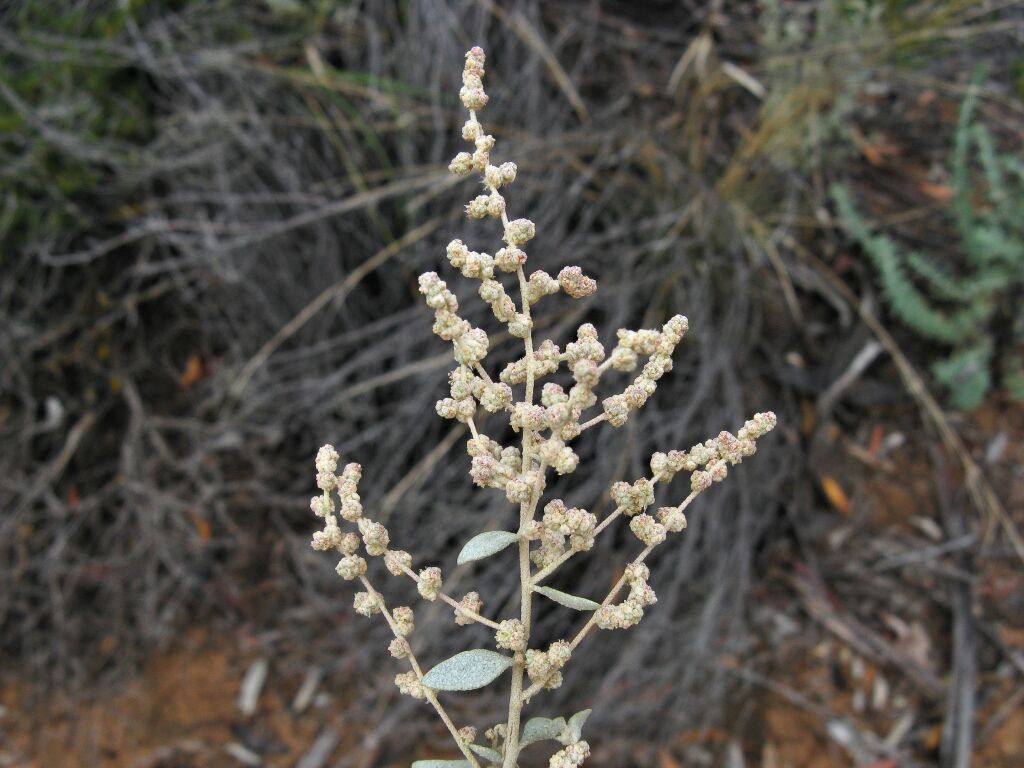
(547, 426)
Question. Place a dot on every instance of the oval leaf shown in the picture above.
(467, 671)
(486, 752)
(576, 723)
(541, 728)
(569, 601)
(485, 545)
(442, 764)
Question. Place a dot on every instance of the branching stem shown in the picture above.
(429, 694)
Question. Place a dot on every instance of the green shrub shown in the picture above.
(961, 305)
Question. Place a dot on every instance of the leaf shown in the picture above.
(485, 545)
(835, 494)
(941, 192)
(541, 728)
(442, 764)
(491, 754)
(569, 601)
(195, 371)
(576, 723)
(467, 671)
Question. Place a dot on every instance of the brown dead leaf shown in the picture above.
(835, 494)
(202, 526)
(808, 417)
(941, 192)
(665, 760)
(195, 371)
(875, 443)
(1013, 636)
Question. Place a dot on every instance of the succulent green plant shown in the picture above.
(959, 306)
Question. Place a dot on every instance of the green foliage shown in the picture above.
(814, 66)
(961, 305)
(70, 119)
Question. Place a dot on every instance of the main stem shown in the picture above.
(526, 510)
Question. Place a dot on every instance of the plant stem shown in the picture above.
(454, 603)
(592, 622)
(429, 694)
(526, 510)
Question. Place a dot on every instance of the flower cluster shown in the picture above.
(561, 529)
(570, 757)
(546, 419)
(629, 612)
(658, 348)
(469, 604)
(544, 667)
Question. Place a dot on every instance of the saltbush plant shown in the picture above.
(547, 418)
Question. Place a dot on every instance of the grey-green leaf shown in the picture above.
(569, 601)
(442, 764)
(491, 754)
(485, 545)
(541, 728)
(576, 724)
(467, 671)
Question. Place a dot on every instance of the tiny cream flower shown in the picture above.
(409, 684)
(404, 620)
(322, 505)
(365, 603)
(511, 635)
(570, 757)
(375, 537)
(648, 530)
(633, 498)
(399, 648)
(575, 283)
(328, 538)
(700, 481)
(519, 232)
(672, 518)
(349, 544)
(461, 164)
(471, 130)
(429, 584)
(478, 207)
(509, 259)
(352, 567)
(327, 460)
(471, 603)
(396, 561)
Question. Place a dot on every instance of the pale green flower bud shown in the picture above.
(648, 530)
(409, 684)
(461, 164)
(672, 518)
(511, 635)
(472, 603)
(366, 604)
(575, 283)
(404, 620)
(519, 231)
(429, 584)
(395, 559)
(351, 567)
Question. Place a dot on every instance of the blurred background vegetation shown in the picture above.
(212, 216)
